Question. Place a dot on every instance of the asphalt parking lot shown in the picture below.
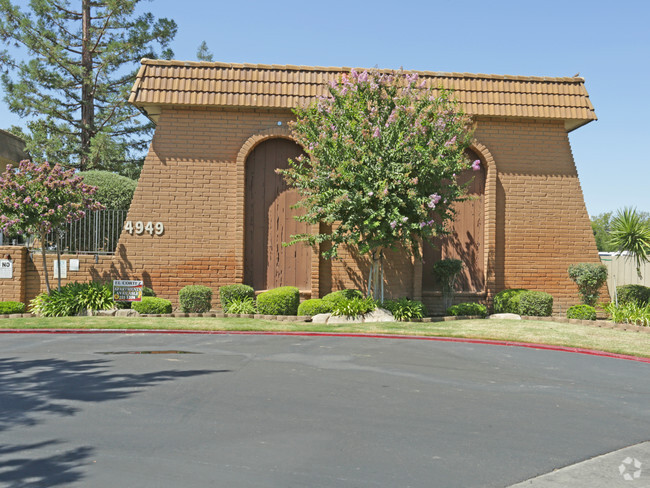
(170, 410)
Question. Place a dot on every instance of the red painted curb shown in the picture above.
(546, 347)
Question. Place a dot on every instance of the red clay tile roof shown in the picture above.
(181, 83)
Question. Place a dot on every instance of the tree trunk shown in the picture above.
(87, 95)
(47, 279)
(58, 258)
(376, 276)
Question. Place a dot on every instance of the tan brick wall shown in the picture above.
(193, 182)
(13, 289)
(542, 223)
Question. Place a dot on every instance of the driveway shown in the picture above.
(174, 410)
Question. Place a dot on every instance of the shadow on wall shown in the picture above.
(33, 389)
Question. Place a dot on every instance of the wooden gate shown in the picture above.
(269, 221)
(466, 240)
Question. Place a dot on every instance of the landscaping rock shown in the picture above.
(320, 318)
(126, 312)
(379, 315)
(342, 319)
(510, 316)
(104, 313)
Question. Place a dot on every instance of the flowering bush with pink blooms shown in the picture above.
(38, 198)
(382, 154)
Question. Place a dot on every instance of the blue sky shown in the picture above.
(608, 43)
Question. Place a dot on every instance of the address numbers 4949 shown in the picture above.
(141, 227)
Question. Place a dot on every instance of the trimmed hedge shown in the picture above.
(469, 308)
(228, 293)
(11, 307)
(152, 305)
(114, 191)
(341, 295)
(633, 293)
(279, 301)
(507, 301)
(535, 304)
(314, 306)
(581, 312)
(195, 299)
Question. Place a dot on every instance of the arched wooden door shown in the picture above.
(269, 221)
(466, 240)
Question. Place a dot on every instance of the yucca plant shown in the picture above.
(630, 233)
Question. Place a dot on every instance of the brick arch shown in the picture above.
(240, 165)
(490, 214)
(292, 265)
(482, 285)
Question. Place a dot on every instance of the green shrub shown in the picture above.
(629, 313)
(589, 277)
(338, 296)
(72, 299)
(470, 308)
(447, 271)
(507, 301)
(195, 299)
(227, 293)
(279, 301)
(11, 307)
(405, 309)
(152, 305)
(314, 306)
(535, 304)
(581, 312)
(354, 307)
(633, 293)
(241, 306)
(114, 191)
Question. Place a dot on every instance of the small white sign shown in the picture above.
(64, 270)
(6, 268)
(74, 265)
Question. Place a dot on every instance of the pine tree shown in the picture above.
(203, 53)
(73, 86)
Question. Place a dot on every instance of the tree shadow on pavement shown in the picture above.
(31, 391)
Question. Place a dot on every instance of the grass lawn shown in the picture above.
(529, 331)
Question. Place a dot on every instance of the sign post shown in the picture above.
(127, 290)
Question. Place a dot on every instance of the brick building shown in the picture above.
(218, 214)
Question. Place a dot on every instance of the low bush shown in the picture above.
(536, 304)
(338, 296)
(314, 306)
(228, 293)
(405, 309)
(72, 298)
(507, 301)
(11, 307)
(152, 305)
(354, 307)
(628, 313)
(581, 312)
(633, 293)
(195, 299)
(469, 308)
(279, 301)
(589, 277)
(241, 306)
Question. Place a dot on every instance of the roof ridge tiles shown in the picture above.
(289, 67)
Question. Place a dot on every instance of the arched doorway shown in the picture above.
(269, 221)
(466, 240)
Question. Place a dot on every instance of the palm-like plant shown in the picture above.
(632, 234)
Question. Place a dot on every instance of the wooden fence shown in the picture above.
(621, 270)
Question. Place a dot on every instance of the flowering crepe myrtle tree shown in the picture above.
(38, 198)
(383, 151)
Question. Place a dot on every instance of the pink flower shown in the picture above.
(450, 141)
(363, 77)
(371, 194)
(476, 165)
(376, 133)
(393, 224)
